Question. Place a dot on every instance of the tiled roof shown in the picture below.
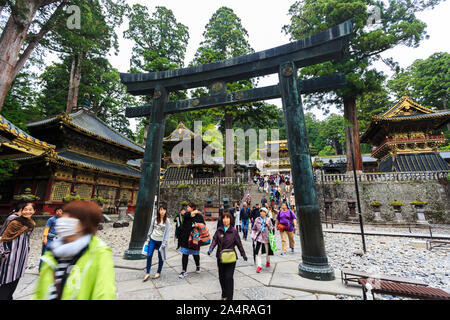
(88, 122)
(178, 173)
(97, 164)
(414, 162)
(8, 127)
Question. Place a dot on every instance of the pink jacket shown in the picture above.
(263, 237)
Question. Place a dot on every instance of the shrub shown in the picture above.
(376, 203)
(182, 186)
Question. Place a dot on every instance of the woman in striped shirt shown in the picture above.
(14, 249)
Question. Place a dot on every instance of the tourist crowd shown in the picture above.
(76, 264)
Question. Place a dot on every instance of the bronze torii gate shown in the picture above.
(284, 60)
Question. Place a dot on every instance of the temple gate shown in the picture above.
(284, 60)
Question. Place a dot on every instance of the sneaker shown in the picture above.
(182, 275)
(258, 270)
(283, 253)
(198, 270)
(267, 264)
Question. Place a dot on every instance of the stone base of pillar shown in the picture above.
(321, 273)
(134, 254)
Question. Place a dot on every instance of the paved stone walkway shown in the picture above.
(279, 282)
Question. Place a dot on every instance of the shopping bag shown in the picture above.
(272, 242)
(145, 249)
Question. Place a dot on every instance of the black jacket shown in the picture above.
(187, 227)
(227, 240)
(255, 213)
(245, 214)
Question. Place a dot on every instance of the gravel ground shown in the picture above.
(385, 255)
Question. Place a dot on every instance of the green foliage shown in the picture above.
(375, 203)
(396, 203)
(7, 168)
(327, 151)
(418, 202)
(159, 40)
(182, 186)
(426, 81)
(100, 82)
(337, 182)
(398, 26)
(20, 103)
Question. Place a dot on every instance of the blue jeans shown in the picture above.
(152, 246)
(245, 227)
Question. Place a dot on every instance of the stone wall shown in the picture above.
(174, 195)
(436, 193)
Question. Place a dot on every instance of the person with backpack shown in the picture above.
(226, 239)
(254, 214)
(190, 219)
(178, 222)
(286, 223)
(245, 217)
(260, 235)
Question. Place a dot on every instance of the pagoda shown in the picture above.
(406, 138)
(66, 154)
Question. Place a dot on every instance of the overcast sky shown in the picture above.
(264, 19)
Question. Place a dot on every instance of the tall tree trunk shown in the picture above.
(11, 42)
(229, 167)
(351, 117)
(74, 83)
(13, 38)
(70, 92)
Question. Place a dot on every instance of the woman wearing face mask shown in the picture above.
(79, 265)
(14, 249)
(158, 238)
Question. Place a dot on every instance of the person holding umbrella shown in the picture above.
(260, 237)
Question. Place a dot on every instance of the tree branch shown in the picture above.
(37, 38)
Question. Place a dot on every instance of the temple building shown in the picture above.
(406, 138)
(70, 153)
(185, 168)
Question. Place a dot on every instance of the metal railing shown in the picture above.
(381, 177)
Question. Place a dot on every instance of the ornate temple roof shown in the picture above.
(19, 142)
(413, 162)
(404, 111)
(72, 159)
(180, 133)
(83, 120)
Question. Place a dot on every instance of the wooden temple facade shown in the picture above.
(69, 153)
(185, 168)
(407, 138)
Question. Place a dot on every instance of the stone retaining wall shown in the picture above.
(436, 193)
(174, 195)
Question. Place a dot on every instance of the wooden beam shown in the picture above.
(321, 84)
(324, 46)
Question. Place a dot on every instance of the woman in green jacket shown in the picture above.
(79, 265)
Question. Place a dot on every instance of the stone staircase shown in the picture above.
(255, 194)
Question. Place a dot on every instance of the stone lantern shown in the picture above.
(352, 209)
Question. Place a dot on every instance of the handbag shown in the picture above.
(272, 242)
(227, 255)
(145, 249)
(282, 227)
